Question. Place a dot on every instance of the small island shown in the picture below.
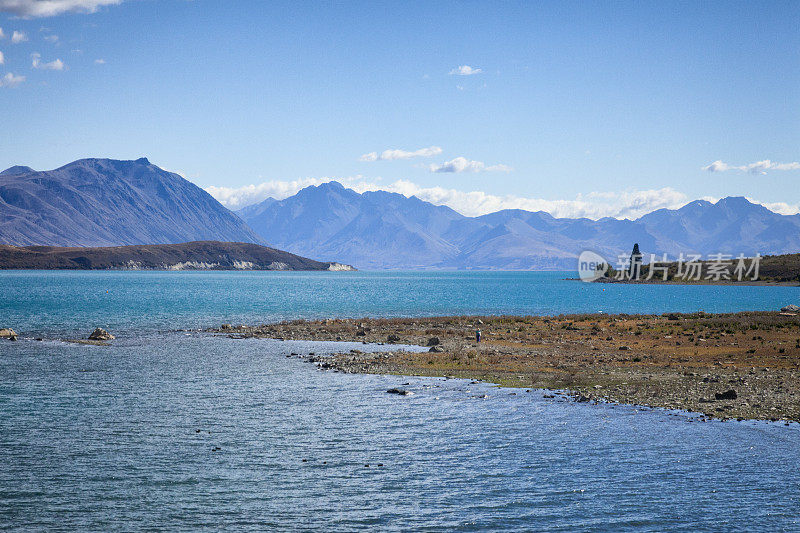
(717, 269)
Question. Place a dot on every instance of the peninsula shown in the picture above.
(198, 255)
(742, 365)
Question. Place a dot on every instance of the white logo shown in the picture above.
(591, 266)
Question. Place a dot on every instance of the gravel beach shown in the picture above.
(727, 366)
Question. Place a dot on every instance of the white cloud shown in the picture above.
(51, 38)
(48, 8)
(236, 198)
(635, 203)
(626, 204)
(99, 61)
(391, 155)
(2, 59)
(465, 70)
(759, 167)
(779, 207)
(11, 80)
(462, 164)
(36, 62)
(18, 36)
(717, 166)
(2, 35)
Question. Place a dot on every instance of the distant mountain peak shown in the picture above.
(255, 209)
(322, 188)
(104, 163)
(16, 169)
(699, 203)
(735, 201)
(106, 202)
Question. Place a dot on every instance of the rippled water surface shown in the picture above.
(182, 430)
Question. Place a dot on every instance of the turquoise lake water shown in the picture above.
(181, 430)
(72, 301)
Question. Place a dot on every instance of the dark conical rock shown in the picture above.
(635, 268)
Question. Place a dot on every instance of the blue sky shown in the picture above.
(585, 108)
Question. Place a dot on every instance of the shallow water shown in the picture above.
(101, 438)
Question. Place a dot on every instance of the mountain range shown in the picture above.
(105, 202)
(382, 230)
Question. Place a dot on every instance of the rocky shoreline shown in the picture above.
(726, 366)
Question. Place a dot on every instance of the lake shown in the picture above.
(181, 430)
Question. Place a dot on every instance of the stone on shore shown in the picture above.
(100, 334)
(433, 341)
(727, 395)
(791, 308)
(393, 338)
(436, 349)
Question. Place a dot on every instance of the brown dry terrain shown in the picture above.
(679, 361)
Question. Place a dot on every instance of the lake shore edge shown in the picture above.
(726, 366)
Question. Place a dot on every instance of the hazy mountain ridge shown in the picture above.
(103, 202)
(375, 230)
(732, 225)
(387, 230)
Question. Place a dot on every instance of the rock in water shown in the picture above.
(635, 268)
(7, 333)
(100, 334)
(401, 392)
